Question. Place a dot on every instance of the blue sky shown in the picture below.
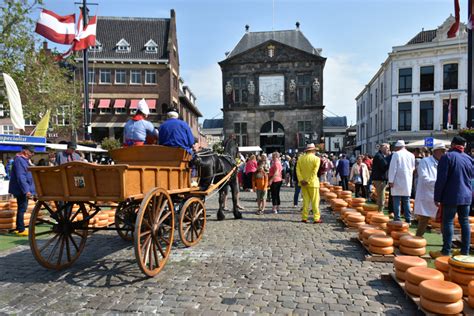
(355, 36)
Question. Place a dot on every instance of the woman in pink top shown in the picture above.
(250, 168)
(275, 180)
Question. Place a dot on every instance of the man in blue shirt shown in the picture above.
(138, 128)
(176, 133)
(342, 170)
(22, 186)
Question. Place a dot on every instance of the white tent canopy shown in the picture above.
(421, 143)
(246, 149)
(79, 148)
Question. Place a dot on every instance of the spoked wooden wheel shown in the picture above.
(58, 233)
(192, 221)
(125, 218)
(154, 231)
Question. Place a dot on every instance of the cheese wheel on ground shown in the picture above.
(400, 275)
(441, 263)
(398, 234)
(462, 262)
(412, 241)
(8, 226)
(354, 224)
(417, 274)
(412, 251)
(359, 200)
(380, 250)
(402, 263)
(7, 213)
(460, 278)
(379, 219)
(380, 240)
(411, 288)
(366, 233)
(355, 218)
(463, 271)
(102, 216)
(441, 291)
(397, 225)
(442, 308)
(364, 227)
(370, 207)
(5, 220)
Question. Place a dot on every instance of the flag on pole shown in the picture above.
(85, 36)
(455, 27)
(449, 113)
(42, 128)
(56, 28)
(16, 108)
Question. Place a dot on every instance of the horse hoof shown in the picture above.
(237, 215)
(220, 216)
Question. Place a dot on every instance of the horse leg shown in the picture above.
(234, 185)
(220, 211)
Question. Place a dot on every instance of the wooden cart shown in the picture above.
(151, 184)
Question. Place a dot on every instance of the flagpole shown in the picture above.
(87, 112)
(470, 88)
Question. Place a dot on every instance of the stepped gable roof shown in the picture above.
(293, 38)
(135, 31)
(423, 37)
(337, 121)
(213, 123)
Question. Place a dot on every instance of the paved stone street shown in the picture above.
(270, 264)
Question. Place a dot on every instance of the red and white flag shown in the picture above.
(455, 27)
(85, 36)
(56, 28)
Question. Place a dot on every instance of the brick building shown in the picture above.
(272, 84)
(136, 58)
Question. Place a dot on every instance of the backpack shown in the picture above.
(324, 167)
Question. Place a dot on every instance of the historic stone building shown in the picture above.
(272, 84)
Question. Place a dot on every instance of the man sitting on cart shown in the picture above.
(138, 128)
(176, 133)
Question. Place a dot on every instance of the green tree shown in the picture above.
(110, 143)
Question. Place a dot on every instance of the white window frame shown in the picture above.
(150, 72)
(122, 46)
(104, 71)
(8, 129)
(131, 77)
(125, 76)
(120, 111)
(91, 72)
(105, 111)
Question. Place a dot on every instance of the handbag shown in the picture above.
(439, 214)
(357, 179)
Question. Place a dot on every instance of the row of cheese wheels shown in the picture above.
(8, 211)
(436, 295)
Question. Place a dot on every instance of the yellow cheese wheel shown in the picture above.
(400, 275)
(365, 241)
(364, 227)
(370, 207)
(397, 234)
(379, 219)
(7, 220)
(402, 263)
(355, 218)
(417, 274)
(331, 195)
(366, 233)
(380, 250)
(7, 213)
(460, 278)
(102, 216)
(355, 224)
(411, 288)
(398, 225)
(442, 308)
(464, 271)
(380, 240)
(441, 263)
(358, 200)
(462, 262)
(470, 301)
(382, 226)
(441, 291)
(412, 251)
(412, 241)
(8, 226)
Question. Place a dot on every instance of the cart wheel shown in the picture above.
(154, 230)
(125, 218)
(192, 221)
(58, 233)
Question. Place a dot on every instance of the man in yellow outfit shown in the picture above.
(307, 172)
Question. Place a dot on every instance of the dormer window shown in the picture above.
(271, 51)
(97, 47)
(123, 46)
(151, 47)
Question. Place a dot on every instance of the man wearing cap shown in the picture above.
(307, 173)
(138, 128)
(22, 186)
(427, 170)
(454, 193)
(68, 155)
(400, 179)
(176, 133)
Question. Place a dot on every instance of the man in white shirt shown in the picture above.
(400, 179)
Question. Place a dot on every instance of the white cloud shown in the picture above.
(343, 81)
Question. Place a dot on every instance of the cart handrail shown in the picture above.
(212, 187)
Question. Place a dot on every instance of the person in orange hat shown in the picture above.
(307, 172)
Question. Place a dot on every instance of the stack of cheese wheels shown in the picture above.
(344, 194)
(398, 226)
(7, 216)
(458, 225)
(322, 192)
(412, 245)
(330, 196)
(336, 188)
(355, 220)
(396, 235)
(368, 216)
(352, 186)
(358, 204)
(102, 219)
(415, 275)
(402, 263)
(441, 297)
(461, 271)
(362, 228)
(367, 208)
(442, 264)
(379, 220)
(369, 232)
(346, 212)
(470, 297)
(338, 204)
(380, 244)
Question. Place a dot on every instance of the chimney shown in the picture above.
(297, 26)
(227, 54)
(45, 45)
(247, 28)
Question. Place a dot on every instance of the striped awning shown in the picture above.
(151, 104)
(134, 104)
(104, 104)
(119, 104)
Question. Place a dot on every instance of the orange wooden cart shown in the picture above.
(149, 183)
